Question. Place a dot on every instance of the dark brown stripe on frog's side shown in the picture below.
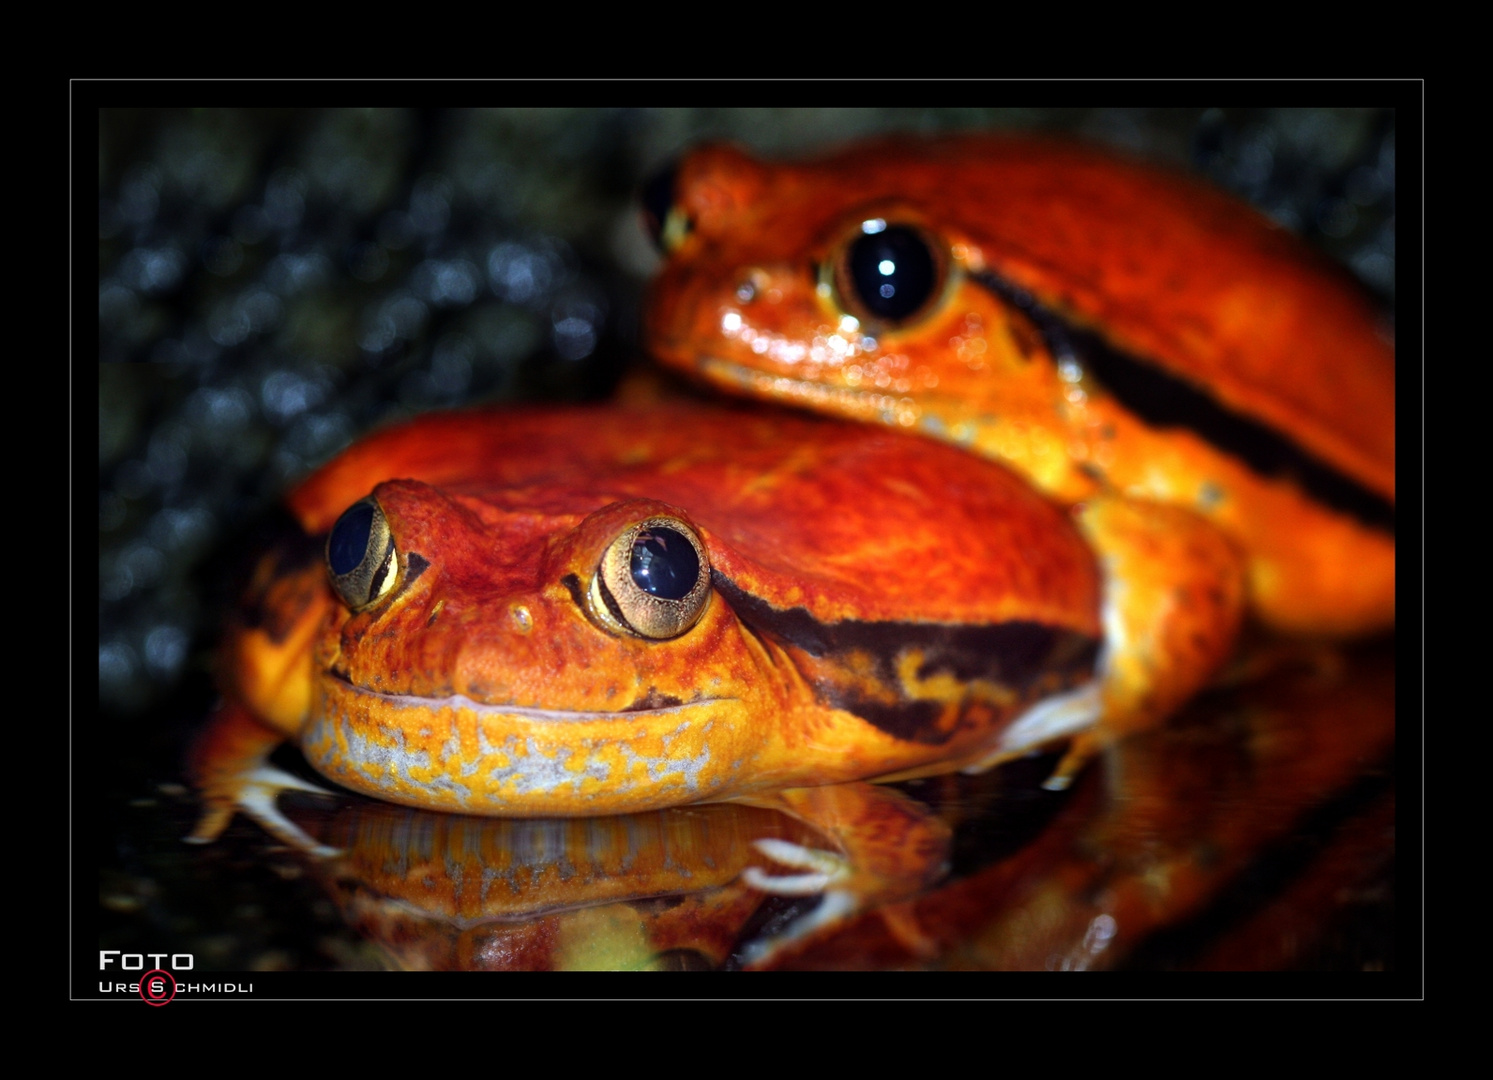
(1163, 400)
(1015, 655)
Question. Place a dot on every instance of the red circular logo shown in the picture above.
(153, 987)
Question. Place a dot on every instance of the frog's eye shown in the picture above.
(653, 581)
(667, 223)
(361, 559)
(889, 274)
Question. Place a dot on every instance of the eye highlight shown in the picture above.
(653, 580)
(362, 563)
(889, 274)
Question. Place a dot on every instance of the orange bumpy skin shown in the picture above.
(867, 605)
(1104, 327)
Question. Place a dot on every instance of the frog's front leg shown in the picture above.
(1174, 600)
(266, 658)
(229, 766)
(890, 848)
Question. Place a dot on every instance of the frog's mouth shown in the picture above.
(454, 752)
(870, 403)
(653, 705)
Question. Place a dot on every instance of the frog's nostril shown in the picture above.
(523, 622)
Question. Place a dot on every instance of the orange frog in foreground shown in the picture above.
(1217, 404)
(592, 611)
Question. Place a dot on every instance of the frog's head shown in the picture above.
(852, 285)
(517, 652)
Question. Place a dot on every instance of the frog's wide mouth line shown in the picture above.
(768, 385)
(528, 712)
(896, 409)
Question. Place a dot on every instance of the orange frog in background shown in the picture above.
(1137, 344)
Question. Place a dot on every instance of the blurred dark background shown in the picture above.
(274, 282)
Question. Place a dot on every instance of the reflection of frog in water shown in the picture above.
(1103, 327)
(1038, 881)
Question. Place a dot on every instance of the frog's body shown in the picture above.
(854, 605)
(1107, 329)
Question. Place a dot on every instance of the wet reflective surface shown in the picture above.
(1249, 834)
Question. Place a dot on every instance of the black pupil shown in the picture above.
(892, 271)
(664, 564)
(349, 541)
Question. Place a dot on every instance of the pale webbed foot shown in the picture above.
(257, 798)
(229, 765)
(256, 795)
(1070, 715)
(823, 870)
(890, 848)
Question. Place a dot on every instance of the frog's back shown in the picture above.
(847, 522)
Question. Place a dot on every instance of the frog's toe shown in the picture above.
(1069, 715)
(837, 906)
(1060, 780)
(213, 820)
(824, 868)
(258, 799)
(255, 795)
(1083, 748)
(785, 884)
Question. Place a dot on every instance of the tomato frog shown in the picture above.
(604, 610)
(1215, 402)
